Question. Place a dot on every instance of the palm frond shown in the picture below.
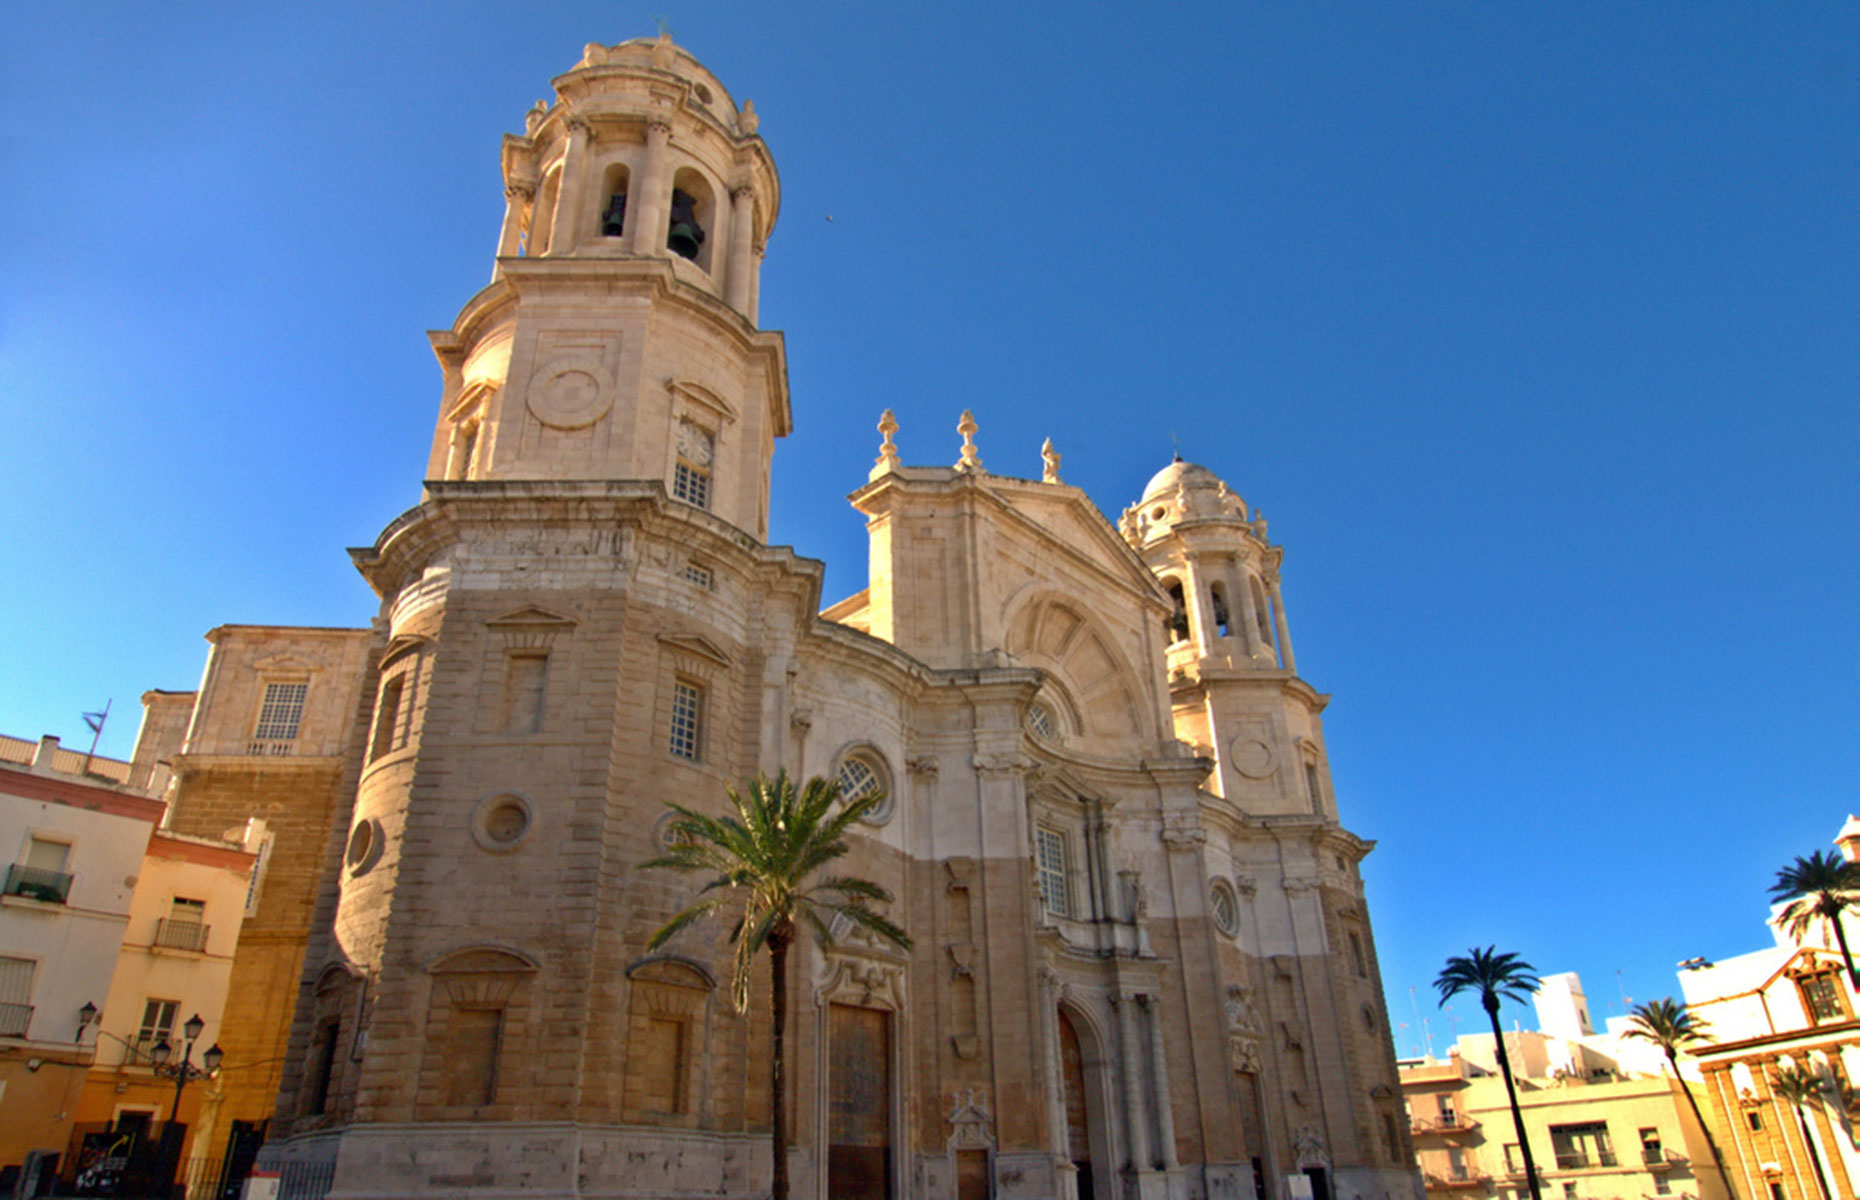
(1489, 974)
(1666, 1023)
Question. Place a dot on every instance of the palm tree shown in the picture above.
(1491, 975)
(1819, 888)
(1801, 1087)
(763, 860)
(1672, 1027)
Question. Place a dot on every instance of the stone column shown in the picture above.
(755, 281)
(517, 198)
(1165, 1114)
(1285, 633)
(565, 226)
(1055, 1069)
(1249, 615)
(742, 229)
(654, 192)
(1136, 1121)
(1200, 610)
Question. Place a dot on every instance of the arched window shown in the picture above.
(1217, 598)
(693, 215)
(862, 773)
(542, 215)
(1178, 620)
(1262, 615)
(613, 206)
(1225, 907)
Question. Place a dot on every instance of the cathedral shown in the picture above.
(1142, 962)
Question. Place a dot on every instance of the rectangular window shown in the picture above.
(471, 1060)
(1584, 1145)
(687, 720)
(1050, 851)
(1777, 1193)
(387, 717)
(1821, 993)
(282, 711)
(691, 484)
(1569, 1191)
(662, 1065)
(1662, 1186)
(525, 683)
(15, 996)
(185, 927)
(698, 575)
(1754, 1119)
(1311, 784)
(1651, 1152)
(1514, 1161)
(157, 1026)
(43, 874)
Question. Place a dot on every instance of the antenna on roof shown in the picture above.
(95, 720)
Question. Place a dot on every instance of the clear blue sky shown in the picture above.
(1531, 328)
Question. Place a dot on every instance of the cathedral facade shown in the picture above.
(1142, 965)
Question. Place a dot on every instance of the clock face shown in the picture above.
(694, 445)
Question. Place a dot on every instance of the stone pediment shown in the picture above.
(697, 644)
(529, 615)
(1064, 516)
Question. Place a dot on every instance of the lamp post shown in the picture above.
(185, 1071)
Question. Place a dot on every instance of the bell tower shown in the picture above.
(1233, 681)
(618, 338)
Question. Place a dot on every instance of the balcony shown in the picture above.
(14, 1018)
(1578, 1160)
(1662, 1160)
(171, 934)
(1445, 1123)
(1456, 1179)
(37, 883)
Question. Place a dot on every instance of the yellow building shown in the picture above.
(1603, 1122)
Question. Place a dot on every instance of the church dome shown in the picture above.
(1178, 474)
(1181, 491)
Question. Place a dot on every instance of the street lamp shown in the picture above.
(185, 1071)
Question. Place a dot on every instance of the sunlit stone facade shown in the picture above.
(1143, 965)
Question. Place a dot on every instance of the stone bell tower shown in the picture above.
(1233, 681)
(578, 621)
(619, 340)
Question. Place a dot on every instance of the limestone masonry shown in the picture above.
(1143, 964)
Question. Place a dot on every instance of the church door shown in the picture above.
(1078, 1123)
(859, 1103)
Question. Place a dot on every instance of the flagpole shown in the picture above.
(95, 721)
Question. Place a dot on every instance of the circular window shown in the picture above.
(861, 775)
(502, 822)
(364, 846)
(1040, 720)
(1225, 907)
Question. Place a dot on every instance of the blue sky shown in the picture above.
(1529, 327)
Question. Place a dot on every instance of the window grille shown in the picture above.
(281, 712)
(1040, 720)
(857, 779)
(697, 450)
(1050, 848)
(1226, 910)
(687, 719)
(15, 996)
(691, 485)
(157, 1026)
(1821, 992)
(698, 575)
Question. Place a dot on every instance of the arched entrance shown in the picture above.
(1080, 1066)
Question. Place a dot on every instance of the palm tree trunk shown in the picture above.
(1511, 1092)
(1724, 1176)
(1814, 1155)
(778, 1084)
(1840, 935)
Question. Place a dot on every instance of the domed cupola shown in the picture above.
(1180, 492)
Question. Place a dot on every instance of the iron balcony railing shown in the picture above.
(1576, 1160)
(37, 883)
(14, 1019)
(1445, 1123)
(1462, 1178)
(172, 934)
(1662, 1160)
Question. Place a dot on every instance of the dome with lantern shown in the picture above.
(1180, 492)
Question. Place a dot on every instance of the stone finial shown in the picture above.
(593, 55)
(888, 449)
(971, 460)
(748, 120)
(662, 51)
(532, 120)
(1049, 458)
